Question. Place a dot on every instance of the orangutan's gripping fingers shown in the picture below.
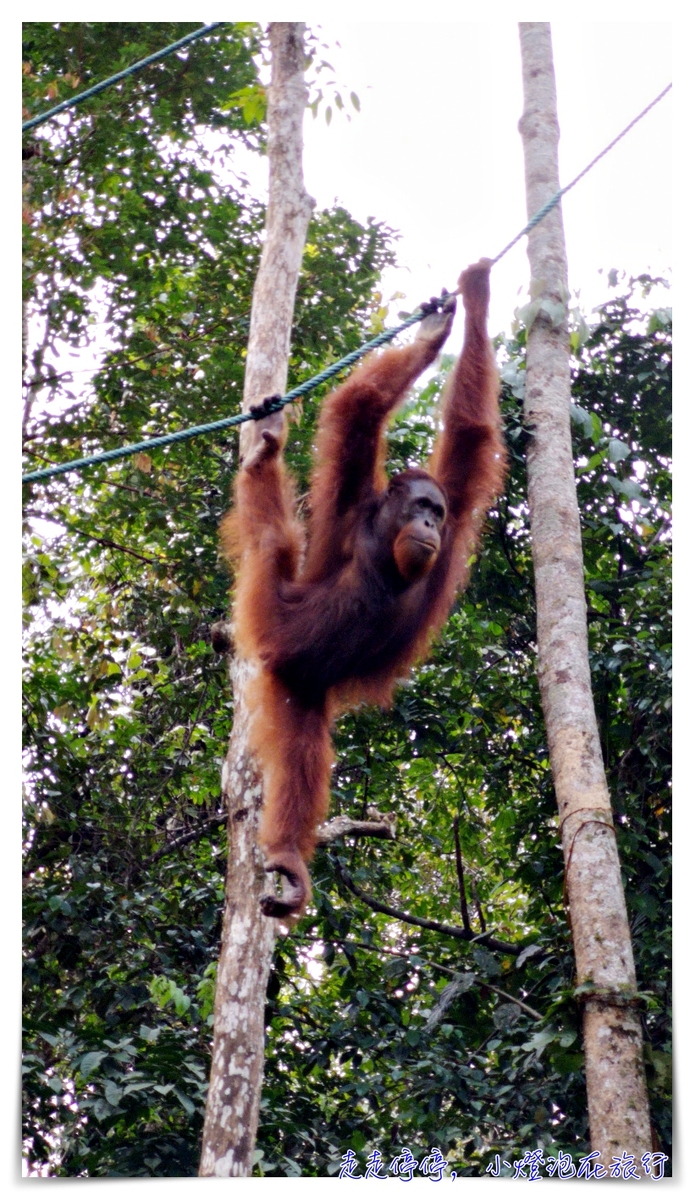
(474, 285)
(436, 326)
(294, 897)
(275, 906)
(267, 446)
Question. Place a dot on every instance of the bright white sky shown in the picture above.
(435, 151)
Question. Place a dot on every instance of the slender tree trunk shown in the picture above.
(248, 938)
(617, 1095)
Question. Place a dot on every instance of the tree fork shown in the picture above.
(616, 1087)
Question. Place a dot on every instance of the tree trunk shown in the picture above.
(248, 938)
(617, 1095)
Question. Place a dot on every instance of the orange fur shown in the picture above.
(332, 623)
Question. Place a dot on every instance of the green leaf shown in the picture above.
(113, 1093)
(555, 310)
(184, 1101)
(579, 416)
(629, 488)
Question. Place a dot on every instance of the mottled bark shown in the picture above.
(617, 1097)
(231, 1115)
(287, 217)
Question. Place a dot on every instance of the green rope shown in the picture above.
(550, 204)
(273, 405)
(99, 87)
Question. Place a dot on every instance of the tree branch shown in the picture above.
(461, 879)
(92, 537)
(329, 832)
(456, 931)
(379, 826)
(347, 945)
(185, 839)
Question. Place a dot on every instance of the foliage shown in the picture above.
(127, 710)
(143, 245)
(361, 1054)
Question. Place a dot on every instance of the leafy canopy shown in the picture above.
(141, 251)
